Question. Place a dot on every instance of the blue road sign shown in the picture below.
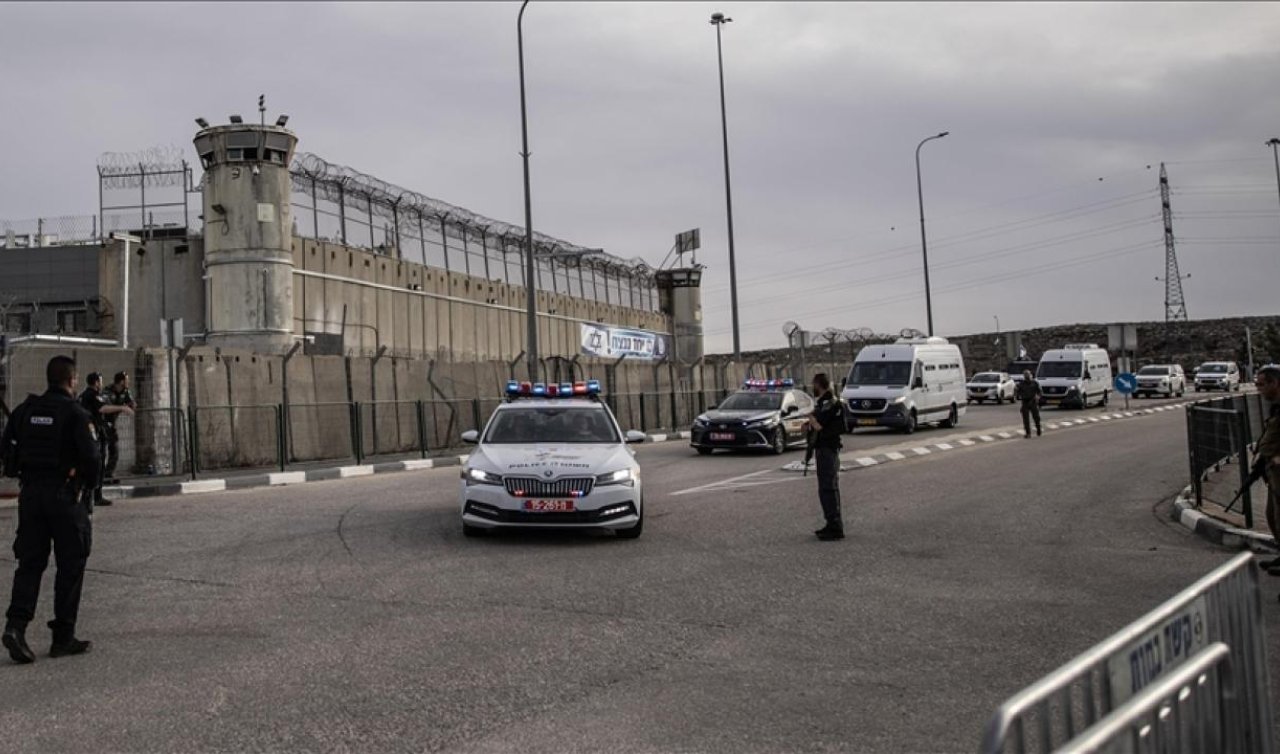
(1126, 383)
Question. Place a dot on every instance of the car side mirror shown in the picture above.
(471, 437)
(635, 435)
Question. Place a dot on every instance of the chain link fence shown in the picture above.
(1222, 431)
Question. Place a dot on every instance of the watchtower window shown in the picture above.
(242, 146)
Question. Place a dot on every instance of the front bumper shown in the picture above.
(892, 416)
(760, 437)
(609, 507)
(1068, 400)
(1212, 385)
(1154, 388)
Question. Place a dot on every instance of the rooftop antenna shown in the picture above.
(262, 109)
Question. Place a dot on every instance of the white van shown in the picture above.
(1075, 375)
(910, 382)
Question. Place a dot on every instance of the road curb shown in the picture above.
(281, 478)
(854, 463)
(1218, 532)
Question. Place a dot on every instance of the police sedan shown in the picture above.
(764, 414)
(552, 456)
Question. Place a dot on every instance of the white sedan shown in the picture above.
(552, 456)
(990, 386)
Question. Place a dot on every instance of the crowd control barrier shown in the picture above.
(1224, 606)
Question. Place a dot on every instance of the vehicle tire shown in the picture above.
(703, 451)
(953, 418)
(912, 423)
(999, 400)
(634, 531)
(779, 445)
(473, 531)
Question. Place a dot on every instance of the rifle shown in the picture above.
(809, 435)
(1256, 472)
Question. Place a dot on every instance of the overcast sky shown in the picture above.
(1040, 204)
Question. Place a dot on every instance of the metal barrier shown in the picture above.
(320, 432)
(152, 441)
(391, 428)
(1222, 606)
(1184, 712)
(224, 437)
(1221, 431)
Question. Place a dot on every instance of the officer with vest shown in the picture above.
(50, 445)
(827, 424)
(121, 400)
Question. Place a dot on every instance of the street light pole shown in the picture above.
(718, 20)
(531, 300)
(1273, 143)
(924, 246)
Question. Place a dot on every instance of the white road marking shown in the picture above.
(921, 451)
(730, 480)
(986, 438)
(1005, 435)
(967, 443)
(944, 446)
(867, 461)
(894, 455)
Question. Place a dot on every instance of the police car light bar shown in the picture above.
(554, 390)
(768, 384)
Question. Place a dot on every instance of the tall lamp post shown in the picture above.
(718, 20)
(924, 246)
(1273, 143)
(531, 296)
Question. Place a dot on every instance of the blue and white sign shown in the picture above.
(613, 342)
(1126, 383)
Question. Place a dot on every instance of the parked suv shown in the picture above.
(990, 386)
(1161, 379)
(1218, 375)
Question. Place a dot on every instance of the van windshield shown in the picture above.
(1059, 370)
(1154, 370)
(880, 373)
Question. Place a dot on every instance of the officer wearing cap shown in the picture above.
(118, 396)
(50, 445)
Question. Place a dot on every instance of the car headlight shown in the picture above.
(701, 421)
(900, 400)
(1073, 389)
(763, 423)
(480, 476)
(621, 476)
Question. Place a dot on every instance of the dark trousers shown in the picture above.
(111, 456)
(102, 470)
(1030, 410)
(50, 514)
(828, 467)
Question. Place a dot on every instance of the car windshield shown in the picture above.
(880, 373)
(747, 401)
(1059, 369)
(1154, 370)
(551, 424)
(986, 377)
(1214, 368)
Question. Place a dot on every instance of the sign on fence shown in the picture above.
(599, 340)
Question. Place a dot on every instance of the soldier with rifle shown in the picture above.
(823, 429)
(1266, 464)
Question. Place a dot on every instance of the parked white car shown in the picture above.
(990, 386)
(1161, 379)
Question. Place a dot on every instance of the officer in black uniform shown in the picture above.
(827, 422)
(95, 403)
(50, 445)
(120, 401)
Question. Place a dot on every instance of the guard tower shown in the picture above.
(248, 234)
(680, 296)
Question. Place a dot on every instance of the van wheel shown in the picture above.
(952, 419)
(912, 423)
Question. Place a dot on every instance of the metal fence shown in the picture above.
(1221, 431)
(1223, 606)
(241, 437)
(672, 410)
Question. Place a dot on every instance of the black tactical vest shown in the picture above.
(41, 434)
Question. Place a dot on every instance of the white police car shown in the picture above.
(552, 456)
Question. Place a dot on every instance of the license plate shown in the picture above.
(1052, 400)
(549, 506)
(867, 422)
(722, 436)
(1157, 652)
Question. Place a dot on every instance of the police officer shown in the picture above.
(1028, 393)
(117, 395)
(95, 402)
(50, 445)
(1268, 452)
(827, 422)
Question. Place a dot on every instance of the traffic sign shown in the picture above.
(1126, 383)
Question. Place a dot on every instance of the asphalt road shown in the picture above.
(353, 615)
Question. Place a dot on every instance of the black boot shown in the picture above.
(830, 532)
(66, 644)
(15, 640)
